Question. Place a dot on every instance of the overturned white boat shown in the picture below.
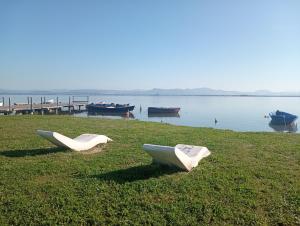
(183, 156)
(81, 143)
(51, 101)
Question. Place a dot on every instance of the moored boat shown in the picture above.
(282, 118)
(160, 110)
(109, 108)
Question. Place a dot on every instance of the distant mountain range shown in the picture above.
(152, 92)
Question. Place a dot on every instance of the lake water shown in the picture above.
(234, 113)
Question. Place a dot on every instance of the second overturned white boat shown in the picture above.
(183, 156)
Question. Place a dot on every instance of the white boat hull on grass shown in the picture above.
(81, 143)
(185, 157)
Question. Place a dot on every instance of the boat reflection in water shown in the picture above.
(110, 114)
(290, 128)
(163, 115)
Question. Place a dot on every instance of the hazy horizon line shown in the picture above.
(150, 89)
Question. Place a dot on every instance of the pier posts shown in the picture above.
(3, 101)
(31, 109)
(56, 106)
(44, 100)
(69, 105)
(42, 112)
(9, 107)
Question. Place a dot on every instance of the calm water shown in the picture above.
(235, 113)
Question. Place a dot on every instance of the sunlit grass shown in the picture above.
(250, 178)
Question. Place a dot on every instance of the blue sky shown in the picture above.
(126, 44)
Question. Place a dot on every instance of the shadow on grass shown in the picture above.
(136, 173)
(32, 152)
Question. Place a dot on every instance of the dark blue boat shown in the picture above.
(282, 118)
(109, 108)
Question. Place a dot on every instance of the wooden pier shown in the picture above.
(43, 107)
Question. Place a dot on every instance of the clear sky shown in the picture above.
(134, 44)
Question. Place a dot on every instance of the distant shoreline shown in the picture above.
(141, 95)
(205, 92)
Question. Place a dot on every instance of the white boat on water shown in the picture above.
(1, 104)
(50, 101)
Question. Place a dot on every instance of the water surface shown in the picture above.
(234, 113)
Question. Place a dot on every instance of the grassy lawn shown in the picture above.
(249, 179)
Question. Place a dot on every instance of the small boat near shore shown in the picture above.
(109, 108)
(282, 118)
(163, 110)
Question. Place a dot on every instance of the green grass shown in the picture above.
(250, 178)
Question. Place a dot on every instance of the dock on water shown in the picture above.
(73, 106)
